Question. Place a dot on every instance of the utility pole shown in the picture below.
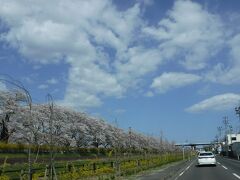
(237, 110)
(230, 131)
(226, 123)
(219, 133)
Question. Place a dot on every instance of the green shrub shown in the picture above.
(4, 177)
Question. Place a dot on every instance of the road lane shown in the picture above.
(164, 173)
(226, 169)
(220, 172)
(231, 164)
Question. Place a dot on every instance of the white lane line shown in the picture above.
(187, 168)
(184, 171)
(218, 162)
(181, 174)
(224, 167)
(237, 176)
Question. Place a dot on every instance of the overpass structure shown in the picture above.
(194, 145)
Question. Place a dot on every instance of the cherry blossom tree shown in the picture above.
(69, 128)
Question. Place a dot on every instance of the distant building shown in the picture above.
(232, 138)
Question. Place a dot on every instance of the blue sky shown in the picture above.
(170, 66)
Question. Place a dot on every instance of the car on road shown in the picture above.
(206, 158)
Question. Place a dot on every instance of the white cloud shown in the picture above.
(139, 62)
(89, 80)
(119, 111)
(216, 103)
(149, 94)
(104, 47)
(3, 86)
(52, 81)
(168, 81)
(146, 2)
(78, 33)
(228, 73)
(235, 48)
(43, 86)
(27, 79)
(80, 99)
(224, 75)
(189, 31)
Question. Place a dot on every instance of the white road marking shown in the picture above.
(184, 171)
(218, 162)
(181, 174)
(224, 167)
(237, 176)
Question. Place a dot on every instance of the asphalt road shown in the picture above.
(226, 169)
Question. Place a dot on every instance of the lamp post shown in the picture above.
(50, 104)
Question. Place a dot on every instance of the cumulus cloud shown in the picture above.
(78, 33)
(105, 48)
(216, 103)
(87, 83)
(172, 80)
(139, 62)
(228, 73)
(189, 31)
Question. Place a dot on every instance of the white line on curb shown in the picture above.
(224, 167)
(237, 176)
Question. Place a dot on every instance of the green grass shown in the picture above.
(129, 165)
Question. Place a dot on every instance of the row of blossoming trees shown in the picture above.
(69, 128)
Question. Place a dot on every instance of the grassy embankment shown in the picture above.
(109, 166)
